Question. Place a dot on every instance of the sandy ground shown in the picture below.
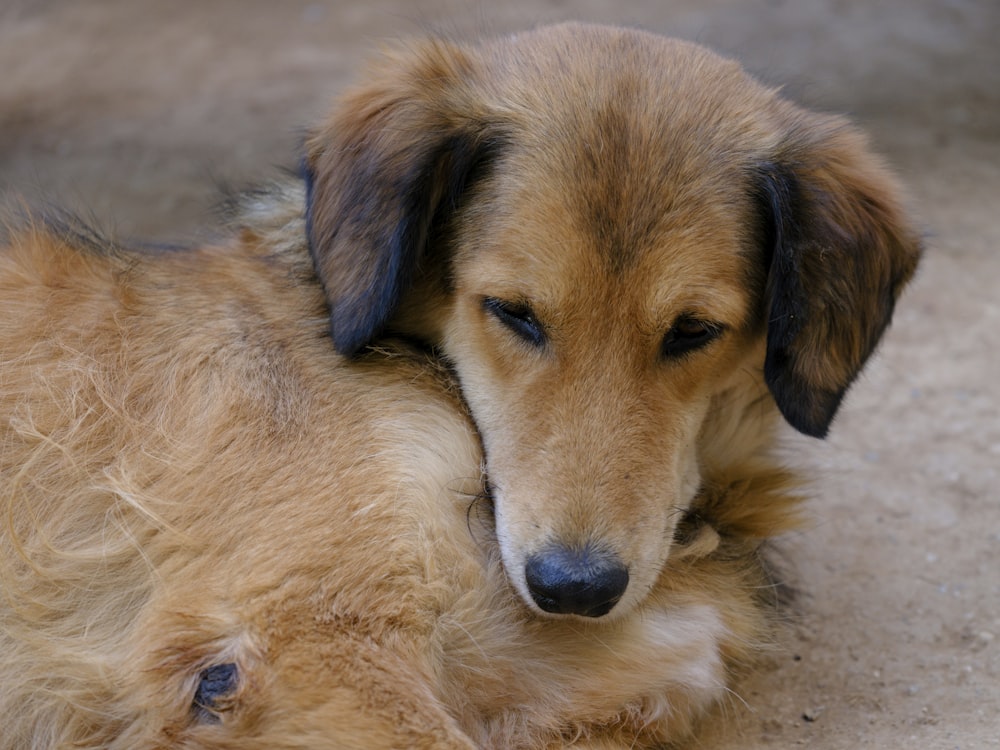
(133, 109)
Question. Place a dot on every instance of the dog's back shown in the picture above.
(214, 531)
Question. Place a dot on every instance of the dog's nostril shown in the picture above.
(576, 581)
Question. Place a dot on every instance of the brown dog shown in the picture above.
(218, 533)
(630, 253)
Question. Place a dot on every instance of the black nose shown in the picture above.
(571, 581)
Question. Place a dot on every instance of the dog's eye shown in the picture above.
(518, 318)
(214, 684)
(687, 334)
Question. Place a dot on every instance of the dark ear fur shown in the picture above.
(396, 153)
(841, 252)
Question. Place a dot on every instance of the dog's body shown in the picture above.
(192, 478)
(220, 533)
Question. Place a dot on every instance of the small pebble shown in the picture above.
(812, 714)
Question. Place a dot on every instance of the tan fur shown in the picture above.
(611, 183)
(190, 476)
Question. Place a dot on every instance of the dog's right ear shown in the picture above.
(396, 154)
(841, 250)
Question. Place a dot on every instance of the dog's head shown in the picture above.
(616, 240)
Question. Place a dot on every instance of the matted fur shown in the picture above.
(547, 211)
(191, 476)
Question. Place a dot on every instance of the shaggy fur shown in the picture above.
(220, 533)
(192, 478)
(632, 255)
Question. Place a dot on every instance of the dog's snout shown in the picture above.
(583, 581)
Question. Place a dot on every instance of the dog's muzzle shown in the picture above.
(572, 581)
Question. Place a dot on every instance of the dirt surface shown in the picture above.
(134, 109)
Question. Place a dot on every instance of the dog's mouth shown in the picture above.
(577, 580)
(587, 580)
(590, 581)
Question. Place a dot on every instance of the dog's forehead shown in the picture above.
(571, 78)
(633, 141)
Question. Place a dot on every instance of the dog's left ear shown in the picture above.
(841, 250)
(394, 157)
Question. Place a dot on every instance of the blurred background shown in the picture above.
(133, 111)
